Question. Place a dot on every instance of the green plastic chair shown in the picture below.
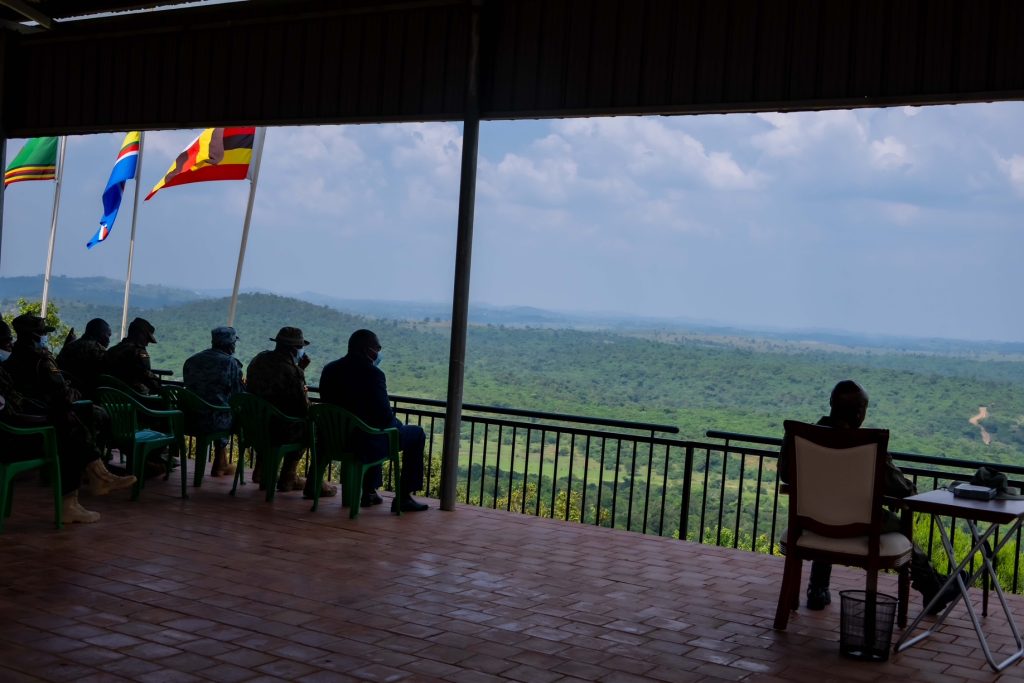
(124, 414)
(151, 401)
(254, 416)
(191, 403)
(48, 459)
(332, 440)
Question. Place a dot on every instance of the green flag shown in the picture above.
(37, 160)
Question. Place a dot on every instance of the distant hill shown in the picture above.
(690, 380)
(72, 293)
(94, 290)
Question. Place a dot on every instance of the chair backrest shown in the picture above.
(149, 400)
(331, 425)
(837, 478)
(120, 406)
(253, 416)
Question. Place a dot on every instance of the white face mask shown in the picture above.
(299, 353)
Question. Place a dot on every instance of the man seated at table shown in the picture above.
(849, 407)
(357, 384)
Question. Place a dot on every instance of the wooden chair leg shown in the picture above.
(789, 589)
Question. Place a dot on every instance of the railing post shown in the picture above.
(463, 254)
(684, 510)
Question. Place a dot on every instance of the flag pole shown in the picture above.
(257, 153)
(131, 240)
(53, 225)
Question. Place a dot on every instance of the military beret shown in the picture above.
(28, 323)
(142, 325)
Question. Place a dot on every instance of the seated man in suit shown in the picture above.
(357, 384)
(849, 407)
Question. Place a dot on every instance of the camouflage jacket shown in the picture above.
(36, 376)
(82, 362)
(215, 376)
(129, 362)
(274, 376)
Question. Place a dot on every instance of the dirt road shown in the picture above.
(986, 438)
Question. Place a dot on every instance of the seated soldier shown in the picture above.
(215, 375)
(129, 361)
(42, 391)
(6, 341)
(277, 376)
(82, 360)
(849, 407)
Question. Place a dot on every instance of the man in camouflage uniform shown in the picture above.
(215, 375)
(82, 360)
(129, 361)
(6, 341)
(37, 378)
(277, 376)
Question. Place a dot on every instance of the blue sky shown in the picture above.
(902, 221)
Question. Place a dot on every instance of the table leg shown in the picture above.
(987, 569)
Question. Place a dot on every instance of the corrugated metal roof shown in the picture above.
(314, 61)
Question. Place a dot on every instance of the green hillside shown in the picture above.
(692, 382)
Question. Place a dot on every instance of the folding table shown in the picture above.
(1004, 519)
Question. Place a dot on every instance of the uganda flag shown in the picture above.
(217, 154)
(37, 160)
(124, 170)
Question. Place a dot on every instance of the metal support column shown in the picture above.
(463, 258)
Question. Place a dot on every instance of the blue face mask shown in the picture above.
(4, 355)
(376, 361)
(299, 354)
(42, 342)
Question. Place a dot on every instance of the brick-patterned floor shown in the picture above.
(223, 589)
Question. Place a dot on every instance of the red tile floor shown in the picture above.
(234, 589)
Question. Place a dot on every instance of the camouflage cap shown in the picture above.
(291, 336)
(28, 323)
(223, 335)
(144, 326)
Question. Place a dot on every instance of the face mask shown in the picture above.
(376, 361)
(4, 355)
(299, 354)
(42, 342)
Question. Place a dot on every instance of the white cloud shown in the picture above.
(889, 153)
(793, 133)
(900, 213)
(1014, 170)
(648, 147)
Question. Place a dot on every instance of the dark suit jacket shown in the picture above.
(353, 383)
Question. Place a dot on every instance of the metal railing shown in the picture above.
(638, 477)
(634, 476)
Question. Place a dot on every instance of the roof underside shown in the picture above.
(351, 61)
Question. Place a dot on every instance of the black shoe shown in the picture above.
(370, 498)
(952, 592)
(818, 598)
(409, 505)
